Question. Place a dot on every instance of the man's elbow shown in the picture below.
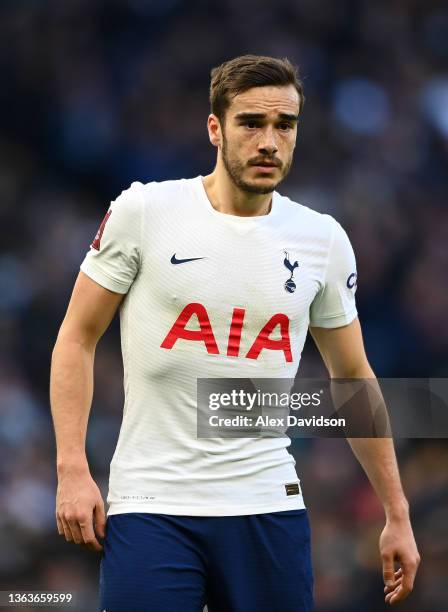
(361, 369)
(68, 341)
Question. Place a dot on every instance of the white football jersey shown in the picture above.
(211, 295)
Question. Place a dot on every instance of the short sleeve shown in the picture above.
(114, 257)
(334, 304)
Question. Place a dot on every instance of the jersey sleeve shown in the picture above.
(334, 304)
(114, 257)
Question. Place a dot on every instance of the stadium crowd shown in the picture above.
(96, 94)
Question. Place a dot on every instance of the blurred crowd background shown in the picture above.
(98, 93)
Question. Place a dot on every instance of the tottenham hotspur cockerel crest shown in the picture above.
(290, 285)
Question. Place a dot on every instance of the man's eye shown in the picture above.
(251, 124)
(285, 127)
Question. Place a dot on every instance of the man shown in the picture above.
(216, 276)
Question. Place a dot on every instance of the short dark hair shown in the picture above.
(246, 71)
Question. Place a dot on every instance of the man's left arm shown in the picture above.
(342, 350)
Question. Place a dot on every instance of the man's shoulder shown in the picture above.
(305, 215)
(154, 194)
(167, 187)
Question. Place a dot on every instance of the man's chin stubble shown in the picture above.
(258, 189)
(234, 172)
(252, 188)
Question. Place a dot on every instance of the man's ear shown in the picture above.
(214, 130)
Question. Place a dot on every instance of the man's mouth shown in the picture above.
(265, 164)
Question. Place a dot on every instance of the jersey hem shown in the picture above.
(293, 504)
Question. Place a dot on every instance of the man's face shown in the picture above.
(259, 135)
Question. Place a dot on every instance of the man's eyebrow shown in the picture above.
(250, 116)
(288, 116)
(257, 116)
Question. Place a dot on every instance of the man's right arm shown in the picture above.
(79, 505)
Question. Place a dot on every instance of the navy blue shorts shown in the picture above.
(167, 563)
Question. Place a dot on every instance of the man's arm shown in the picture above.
(342, 350)
(78, 502)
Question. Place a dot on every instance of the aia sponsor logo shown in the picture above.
(97, 241)
(205, 333)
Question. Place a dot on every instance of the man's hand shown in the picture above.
(80, 514)
(397, 543)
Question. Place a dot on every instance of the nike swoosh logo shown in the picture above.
(179, 261)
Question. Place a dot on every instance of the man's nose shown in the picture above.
(267, 144)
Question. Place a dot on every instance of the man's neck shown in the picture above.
(227, 198)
